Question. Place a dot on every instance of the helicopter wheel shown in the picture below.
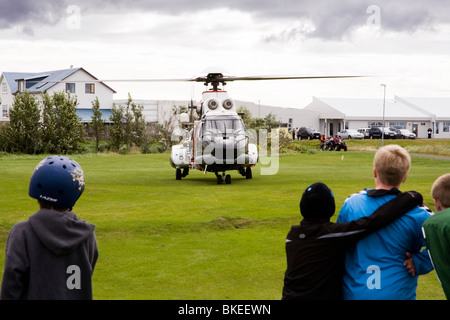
(248, 173)
(219, 179)
(227, 179)
(178, 174)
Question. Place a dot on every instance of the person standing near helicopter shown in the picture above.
(52, 255)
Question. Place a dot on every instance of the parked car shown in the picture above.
(350, 134)
(364, 132)
(353, 134)
(375, 133)
(343, 134)
(406, 134)
(308, 133)
(398, 134)
(389, 134)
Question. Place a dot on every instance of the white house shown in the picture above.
(77, 81)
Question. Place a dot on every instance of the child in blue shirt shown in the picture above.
(374, 267)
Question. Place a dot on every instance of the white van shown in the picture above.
(365, 132)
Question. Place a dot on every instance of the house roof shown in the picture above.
(42, 81)
(439, 107)
(372, 109)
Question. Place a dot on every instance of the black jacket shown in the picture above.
(52, 255)
(315, 250)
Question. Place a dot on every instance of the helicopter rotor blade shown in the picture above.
(218, 78)
(231, 78)
(147, 80)
(283, 78)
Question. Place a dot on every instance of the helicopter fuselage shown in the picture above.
(218, 141)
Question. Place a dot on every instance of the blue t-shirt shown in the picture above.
(374, 266)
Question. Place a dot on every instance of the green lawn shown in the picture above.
(160, 238)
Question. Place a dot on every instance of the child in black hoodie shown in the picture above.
(315, 249)
(52, 255)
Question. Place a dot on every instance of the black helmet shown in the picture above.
(317, 202)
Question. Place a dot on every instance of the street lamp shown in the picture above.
(384, 107)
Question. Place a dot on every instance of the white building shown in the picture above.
(437, 108)
(78, 81)
(415, 114)
(156, 111)
(289, 117)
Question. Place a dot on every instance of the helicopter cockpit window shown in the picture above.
(224, 126)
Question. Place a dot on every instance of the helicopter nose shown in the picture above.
(225, 149)
(229, 151)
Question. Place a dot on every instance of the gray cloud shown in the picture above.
(26, 14)
(332, 19)
(336, 19)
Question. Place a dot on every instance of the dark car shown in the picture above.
(389, 134)
(398, 134)
(308, 133)
(375, 133)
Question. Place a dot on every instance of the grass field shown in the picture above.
(160, 238)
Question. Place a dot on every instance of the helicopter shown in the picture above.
(218, 142)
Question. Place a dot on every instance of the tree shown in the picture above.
(139, 133)
(62, 128)
(49, 125)
(129, 126)
(246, 116)
(128, 123)
(22, 133)
(98, 124)
(170, 122)
(271, 122)
(116, 132)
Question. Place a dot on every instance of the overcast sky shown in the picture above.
(404, 44)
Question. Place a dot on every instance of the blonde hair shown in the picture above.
(441, 190)
(392, 164)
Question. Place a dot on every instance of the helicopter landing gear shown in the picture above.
(179, 175)
(246, 172)
(223, 178)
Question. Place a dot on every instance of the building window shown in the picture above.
(436, 131)
(5, 111)
(70, 87)
(371, 124)
(445, 126)
(397, 124)
(4, 87)
(90, 88)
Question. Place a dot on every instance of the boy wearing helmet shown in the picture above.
(51, 255)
